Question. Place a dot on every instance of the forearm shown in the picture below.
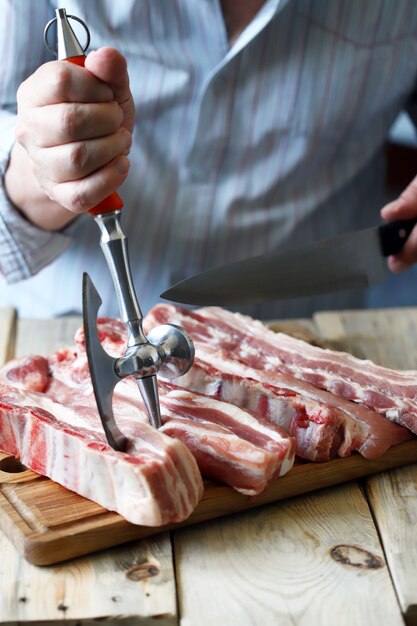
(24, 191)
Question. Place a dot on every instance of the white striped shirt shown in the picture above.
(238, 149)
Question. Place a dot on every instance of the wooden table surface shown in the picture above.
(341, 555)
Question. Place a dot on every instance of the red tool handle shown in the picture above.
(113, 201)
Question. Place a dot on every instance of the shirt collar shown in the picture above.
(259, 22)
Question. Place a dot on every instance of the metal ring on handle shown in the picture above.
(48, 26)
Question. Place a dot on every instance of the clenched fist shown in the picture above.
(73, 135)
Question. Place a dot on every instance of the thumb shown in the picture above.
(110, 66)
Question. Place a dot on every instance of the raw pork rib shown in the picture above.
(155, 482)
(48, 417)
(230, 444)
(392, 393)
(231, 364)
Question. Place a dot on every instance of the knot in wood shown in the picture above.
(141, 571)
(355, 556)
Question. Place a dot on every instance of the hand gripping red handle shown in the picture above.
(113, 202)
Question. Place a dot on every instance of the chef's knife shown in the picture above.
(352, 260)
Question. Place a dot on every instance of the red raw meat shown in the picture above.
(392, 393)
(230, 444)
(155, 482)
(239, 366)
(49, 419)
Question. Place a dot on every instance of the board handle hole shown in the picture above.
(12, 465)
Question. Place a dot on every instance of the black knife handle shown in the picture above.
(393, 235)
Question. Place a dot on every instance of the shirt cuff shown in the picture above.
(25, 249)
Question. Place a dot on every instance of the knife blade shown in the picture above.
(352, 260)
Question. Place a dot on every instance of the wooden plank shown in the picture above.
(7, 333)
(393, 499)
(135, 582)
(313, 560)
(388, 337)
(304, 329)
(45, 336)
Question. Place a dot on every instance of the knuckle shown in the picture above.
(78, 156)
(25, 130)
(25, 91)
(69, 120)
(21, 93)
(61, 80)
(48, 189)
(20, 132)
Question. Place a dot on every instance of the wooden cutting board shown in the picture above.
(49, 524)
